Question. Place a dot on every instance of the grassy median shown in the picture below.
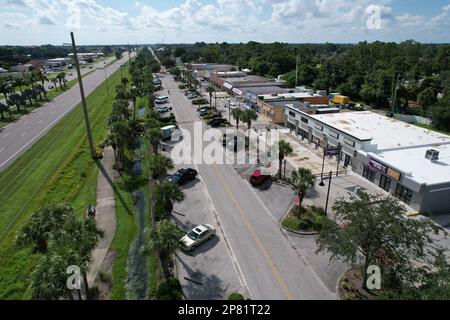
(56, 169)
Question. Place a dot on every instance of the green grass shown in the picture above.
(125, 233)
(51, 94)
(430, 127)
(57, 168)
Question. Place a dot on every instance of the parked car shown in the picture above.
(203, 112)
(200, 108)
(163, 109)
(51, 87)
(162, 100)
(197, 236)
(90, 211)
(217, 122)
(192, 95)
(183, 176)
(257, 179)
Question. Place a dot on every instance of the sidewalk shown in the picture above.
(106, 213)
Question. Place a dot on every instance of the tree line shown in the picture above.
(382, 75)
(31, 91)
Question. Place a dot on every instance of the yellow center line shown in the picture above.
(250, 228)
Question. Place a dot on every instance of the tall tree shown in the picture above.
(159, 165)
(302, 179)
(40, 226)
(237, 115)
(284, 149)
(374, 231)
(166, 193)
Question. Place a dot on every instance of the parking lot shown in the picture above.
(209, 271)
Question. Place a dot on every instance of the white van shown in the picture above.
(162, 99)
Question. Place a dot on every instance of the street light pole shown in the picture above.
(83, 99)
(323, 166)
(328, 193)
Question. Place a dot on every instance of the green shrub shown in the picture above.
(236, 296)
(200, 101)
(292, 223)
(318, 222)
(182, 86)
(169, 290)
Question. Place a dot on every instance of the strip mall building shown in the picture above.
(411, 163)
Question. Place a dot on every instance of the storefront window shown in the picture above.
(385, 183)
(403, 193)
(369, 174)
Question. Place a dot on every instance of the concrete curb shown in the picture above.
(303, 233)
(338, 295)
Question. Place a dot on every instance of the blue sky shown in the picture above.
(34, 22)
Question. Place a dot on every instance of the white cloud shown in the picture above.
(234, 20)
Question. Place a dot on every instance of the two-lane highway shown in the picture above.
(18, 136)
(270, 265)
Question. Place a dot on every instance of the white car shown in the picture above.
(197, 236)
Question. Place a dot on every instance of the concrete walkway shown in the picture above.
(106, 212)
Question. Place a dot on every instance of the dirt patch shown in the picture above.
(103, 283)
(350, 286)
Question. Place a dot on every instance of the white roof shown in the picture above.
(416, 166)
(293, 95)
(384, 133)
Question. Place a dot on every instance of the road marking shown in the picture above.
(250, 228)
(236, 265)
(2, 149)
(6, 135)
(40, 121)
(23, 134)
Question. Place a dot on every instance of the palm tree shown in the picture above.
(284, 149)
(16, 100)
(248, 116)
(20, 82)
(81, 235)
(302, 179)
(159, 165)
(6, 87)
(237, 115)
(155, 136)
(4, 108)
(163, 238)
(41, 224)
(133, 96)
(210, 90)
(166, 193)
(119, 137)
(55, 83)
(49, 278)
(61, 77)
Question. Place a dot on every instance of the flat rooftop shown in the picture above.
(417, 167)
(385, 133)
(287, 96)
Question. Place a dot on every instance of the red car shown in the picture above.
(257, 179)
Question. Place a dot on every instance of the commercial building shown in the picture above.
(411, 163)
(272, 106)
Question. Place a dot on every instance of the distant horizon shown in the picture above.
(209, 43)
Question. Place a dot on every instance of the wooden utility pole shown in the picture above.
(83, 98)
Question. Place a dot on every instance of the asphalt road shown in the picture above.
(271, 267)
(19, 136)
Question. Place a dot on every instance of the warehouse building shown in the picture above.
(411, 163)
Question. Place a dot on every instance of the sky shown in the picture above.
(36, 22)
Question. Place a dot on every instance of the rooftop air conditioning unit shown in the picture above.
(432, 155)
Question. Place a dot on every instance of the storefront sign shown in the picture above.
(318, 127)
(379, 166)
(228, 86)
(332, 151)
(349, 142)
(334, 134)
(237, 91)
(394, 174)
